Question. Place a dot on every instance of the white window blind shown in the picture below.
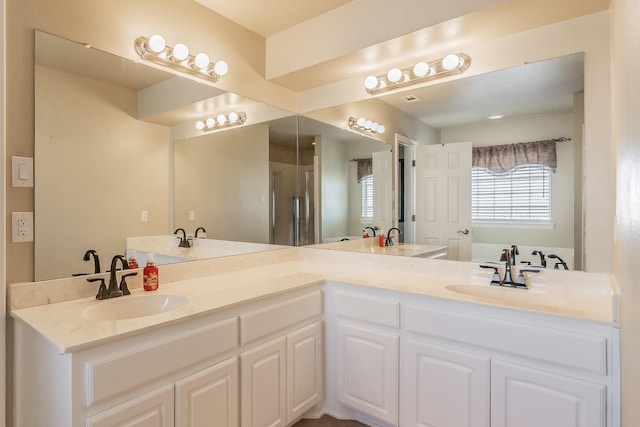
(522, 194)
(366, 185)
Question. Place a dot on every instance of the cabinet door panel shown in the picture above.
(209, 397)
(368, 371)
(263, 385)
(525, 397)
(444, 387)
(154, 409)
(304, 370)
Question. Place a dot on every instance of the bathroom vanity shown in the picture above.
(265, 339)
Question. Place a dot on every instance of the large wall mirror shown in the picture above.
(115, 159)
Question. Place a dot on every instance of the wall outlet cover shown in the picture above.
(21, 227)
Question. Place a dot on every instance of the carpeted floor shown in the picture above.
(327, 421)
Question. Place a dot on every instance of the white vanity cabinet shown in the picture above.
(282, 378)
(367, 348)
(467, 365)
(188, 373)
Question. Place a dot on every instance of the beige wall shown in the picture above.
(626, 134)
(97, 168)
(535, 128)
(334, 174)
(210, 170)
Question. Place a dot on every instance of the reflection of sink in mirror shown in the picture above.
(507, 295)
(131, 307)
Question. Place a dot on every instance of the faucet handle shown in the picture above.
(520, 282)
(103, 293)
(123, 283)
(495, 279)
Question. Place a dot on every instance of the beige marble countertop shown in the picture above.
(370, 245)
(212, 285)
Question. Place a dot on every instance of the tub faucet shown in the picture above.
(388, 240)
(559, 263)
(199, 229)
(96, 260)
(184, 242)
(543, 261)
(113, 289)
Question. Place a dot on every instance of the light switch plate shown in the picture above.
(22, 227)
(22, 171)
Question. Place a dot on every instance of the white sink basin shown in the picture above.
(508, 295)
(130, 307)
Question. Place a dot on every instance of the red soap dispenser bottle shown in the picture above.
(132, 261)
(150, 275)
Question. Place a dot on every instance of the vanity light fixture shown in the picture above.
(366, 126)
(420, 72)
(221, 121)
(156, 50)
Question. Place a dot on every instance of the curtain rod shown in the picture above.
(355, 160)
(561, 139)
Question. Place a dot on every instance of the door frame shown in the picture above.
(409, 146)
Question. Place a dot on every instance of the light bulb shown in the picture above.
(381, 129)
(201, 61)
(199, 125)
(210, 122)
(233, 117)
(180, 52)
(157, 43)
(421, 69)
(375, 126)
(394, 75)
(371, 82)
(222, 119)
(221, 68)
(361, 121)
(368, 124)
(450, 62)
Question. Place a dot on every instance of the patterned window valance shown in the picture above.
(365, 168)
(503, 158)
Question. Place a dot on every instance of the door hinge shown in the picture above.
(413, 218)
(413, 163)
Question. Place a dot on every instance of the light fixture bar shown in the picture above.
(154, 49)
(221, 121)
(421, 72)
(365, 126)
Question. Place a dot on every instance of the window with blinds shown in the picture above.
(522, 194)
(366, 186)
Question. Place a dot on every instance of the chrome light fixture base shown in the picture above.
(365, 126)
(154, 49)
(421, 72)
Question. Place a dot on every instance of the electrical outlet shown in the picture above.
(22, 227)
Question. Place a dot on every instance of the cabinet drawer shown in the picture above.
(560, 347)
(263, 322)
(379, 311)
(114, 375)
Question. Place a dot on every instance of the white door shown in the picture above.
(305, 375)
(443, 387)
(209, 397)
(263, 385)
(525, 397)
(443, 197)
(368, 371)
(382, 165)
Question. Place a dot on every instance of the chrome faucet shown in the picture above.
(389, 241)
(96, 260)
(199, 229)
(184, 242)
(507, 257)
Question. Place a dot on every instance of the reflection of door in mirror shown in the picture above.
(382, 190)
(443, 192)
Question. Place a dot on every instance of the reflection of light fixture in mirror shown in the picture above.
(495, 117)
(366, 126)
(155, 49)
(221, 121)
(420, 72)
